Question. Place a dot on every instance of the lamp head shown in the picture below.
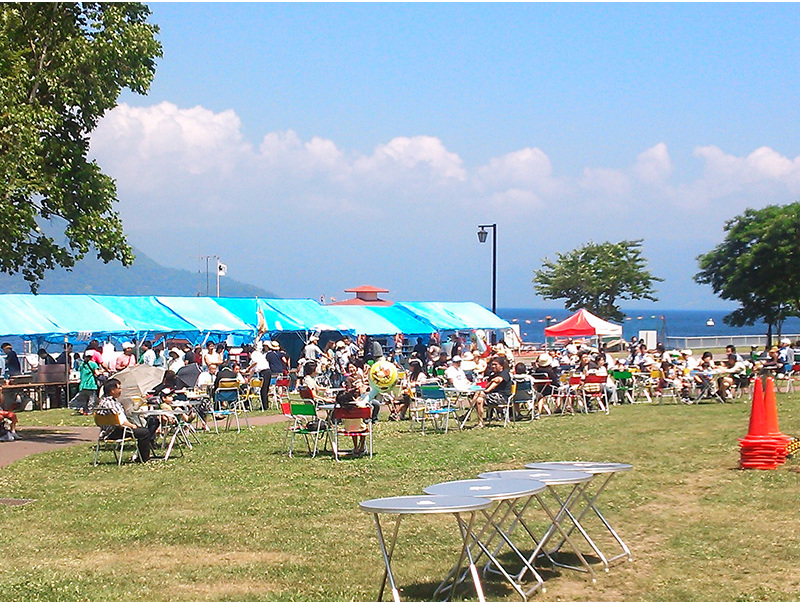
(482, 234)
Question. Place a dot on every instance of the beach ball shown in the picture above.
(383, 375)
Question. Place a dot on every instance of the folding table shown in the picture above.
(553, 480)
(602, 472)
(508, 493)
(178, 428)
(459, 394)
(424, 505)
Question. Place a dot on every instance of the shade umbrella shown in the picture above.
(136, 381)
(187, 375)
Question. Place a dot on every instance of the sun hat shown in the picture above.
(178, 353)
(127, 345)
(786, 340)
(686, 352)
(544, 360)
(274, 345)
(456, 358)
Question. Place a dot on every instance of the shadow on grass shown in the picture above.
(58, 435)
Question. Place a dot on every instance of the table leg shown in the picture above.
(387, 559)
(591, 504)
(465, 548)
(557, 527)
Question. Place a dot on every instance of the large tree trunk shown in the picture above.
(769, 337)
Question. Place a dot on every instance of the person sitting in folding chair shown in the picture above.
(309, 385)
(731, 374)
(110, 404)
(497, 390)
(348, 398)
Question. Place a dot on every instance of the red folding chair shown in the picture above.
(593, 389)
(338, 428)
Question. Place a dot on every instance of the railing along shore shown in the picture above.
(720, 341)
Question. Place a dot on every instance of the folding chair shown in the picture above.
(570, 392)
(280, 388)
(228, 403)
(338, 429)
(502, 410)
(593, 389)
(435, 405)
(253, 394)
(112, 420)
(705, 385)
(525, 394)
(301, 414)
(624, 383)
(661, 385)
(790, 377)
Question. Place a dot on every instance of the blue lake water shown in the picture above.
(676, 323)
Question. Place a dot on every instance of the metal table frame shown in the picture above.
(419, 505)
(552, 479)
(601, 472)
(508, 493)
(178, 428)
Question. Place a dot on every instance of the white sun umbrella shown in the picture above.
(136, 381)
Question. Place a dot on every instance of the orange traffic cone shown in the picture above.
(759, 449)
(758, 419)
(771, 419)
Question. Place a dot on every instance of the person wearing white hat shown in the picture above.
(786, 356)
(175, 362)
(545, 370)
(127, 358)
(456, 375)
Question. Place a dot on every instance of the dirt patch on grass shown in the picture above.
(170, 558)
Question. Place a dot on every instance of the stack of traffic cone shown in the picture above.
(764, 447)
(771, 407)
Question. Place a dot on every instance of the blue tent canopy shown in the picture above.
(455, 316)
(78, 316)
(363, 321)
(405, 321)
(145, 313)
(475, 315)
(435, 314)
(308, 313)
(246, 310)
(17, 317)
(206, 316)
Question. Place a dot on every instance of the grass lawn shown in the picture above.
(235, 519)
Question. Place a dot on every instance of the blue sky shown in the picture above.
(316, 147)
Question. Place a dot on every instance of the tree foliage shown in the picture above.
(62, 66)
(755, 265)
(595, 276)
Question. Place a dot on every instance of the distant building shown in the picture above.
(366, 295)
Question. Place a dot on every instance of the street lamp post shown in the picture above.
(482, 234)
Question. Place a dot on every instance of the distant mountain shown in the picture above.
(144, 277)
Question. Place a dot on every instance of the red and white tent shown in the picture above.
(584, 324)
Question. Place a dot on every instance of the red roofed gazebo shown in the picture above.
(366, 295)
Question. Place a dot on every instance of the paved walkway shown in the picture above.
(44, 439)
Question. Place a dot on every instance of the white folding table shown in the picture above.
(602, 473)
(425, 505)
(553, 480)
(512, 496)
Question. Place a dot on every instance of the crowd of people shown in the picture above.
(459, 363)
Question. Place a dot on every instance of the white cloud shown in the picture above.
(403, 154)
(653, 165)
(180, 170)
